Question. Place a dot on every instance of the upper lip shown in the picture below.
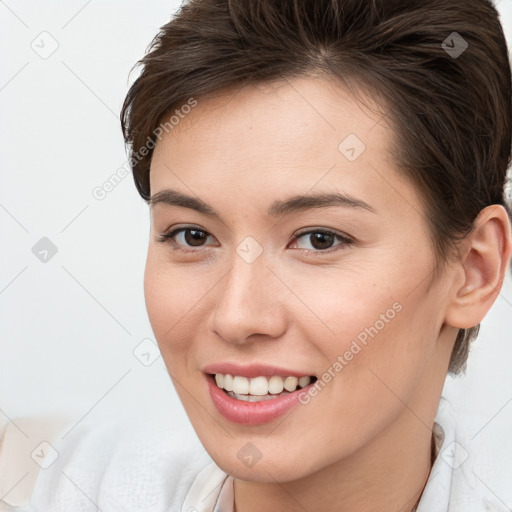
(252, 370)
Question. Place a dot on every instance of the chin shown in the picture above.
(244, 461)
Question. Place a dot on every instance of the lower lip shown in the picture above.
(252, 413)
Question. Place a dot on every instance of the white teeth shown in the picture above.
(258, 387)
(228, 382)
(304, 381)
(240, 385)
(275, 385)
(290, 383)
(254, 398)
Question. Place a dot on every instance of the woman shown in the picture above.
(328, 229)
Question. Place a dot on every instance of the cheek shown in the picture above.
(352, 306)
(372, 321)
(172, 301)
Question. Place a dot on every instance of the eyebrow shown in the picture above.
(294, 204)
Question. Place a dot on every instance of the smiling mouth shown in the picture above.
(260, 388)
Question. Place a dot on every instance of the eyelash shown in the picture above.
(345, 241)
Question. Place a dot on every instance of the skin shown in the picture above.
(363, 443)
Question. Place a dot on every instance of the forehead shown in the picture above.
(289, 136)
(292, 110)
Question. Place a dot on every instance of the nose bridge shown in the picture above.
(248, 300)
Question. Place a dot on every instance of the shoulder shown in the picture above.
(24, 446)
(110, 465)
(464, 478)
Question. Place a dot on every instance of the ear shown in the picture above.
(485, 259)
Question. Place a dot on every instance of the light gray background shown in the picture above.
(69, 326)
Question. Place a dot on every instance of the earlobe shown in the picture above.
(486, 257)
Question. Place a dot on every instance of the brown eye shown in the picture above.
(194, 237)
(321, 241)
(185, 237)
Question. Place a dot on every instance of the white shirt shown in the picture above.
(149, 468)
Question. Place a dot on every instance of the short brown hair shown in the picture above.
(440, 65)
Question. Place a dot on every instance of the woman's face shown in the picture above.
(269, 285)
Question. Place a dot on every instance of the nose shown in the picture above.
(250, 303)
